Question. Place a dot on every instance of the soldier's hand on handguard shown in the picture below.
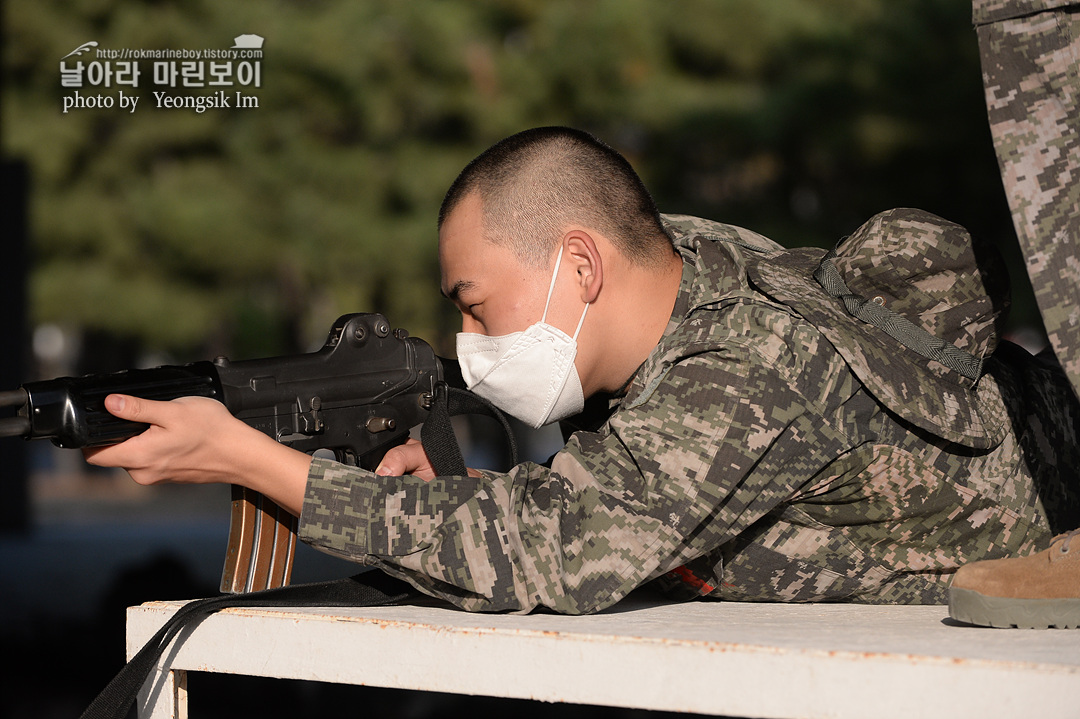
(195, 440)
(409, 458)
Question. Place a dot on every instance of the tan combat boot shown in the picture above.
(1034, 592)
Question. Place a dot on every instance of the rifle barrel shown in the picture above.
(13, 397)
(14, 427)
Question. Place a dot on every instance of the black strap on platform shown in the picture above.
(369, 589)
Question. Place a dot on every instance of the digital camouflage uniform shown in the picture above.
(1031, 72)
(745, 461)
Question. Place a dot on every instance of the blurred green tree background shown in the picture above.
(248, 231)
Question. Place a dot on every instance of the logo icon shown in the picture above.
(86, 46)
(248, 42)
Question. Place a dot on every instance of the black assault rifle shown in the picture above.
(357, 396)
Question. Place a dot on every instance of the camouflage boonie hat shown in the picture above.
(913, 308)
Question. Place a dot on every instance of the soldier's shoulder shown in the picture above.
(687, 230)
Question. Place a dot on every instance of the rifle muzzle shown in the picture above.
(14, 426)
(13, 398)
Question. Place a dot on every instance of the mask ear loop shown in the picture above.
(580, 322)
(551, 289)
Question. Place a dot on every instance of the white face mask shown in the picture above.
(531, 374)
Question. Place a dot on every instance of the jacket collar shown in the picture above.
(715, 257)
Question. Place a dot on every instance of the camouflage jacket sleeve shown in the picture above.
(988, 11)
(689, 460)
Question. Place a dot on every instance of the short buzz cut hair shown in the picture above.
(535, 184)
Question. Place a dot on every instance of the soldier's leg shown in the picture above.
(1031, 72)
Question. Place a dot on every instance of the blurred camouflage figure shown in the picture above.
(1031, 71)
(809, 427)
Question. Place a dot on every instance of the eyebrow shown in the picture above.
(460, 286)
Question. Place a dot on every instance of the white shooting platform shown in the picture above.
(734, 659)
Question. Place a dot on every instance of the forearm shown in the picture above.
(273, 470)
(406, 522)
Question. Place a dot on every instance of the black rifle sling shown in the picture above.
(437, 436)
(368, 589)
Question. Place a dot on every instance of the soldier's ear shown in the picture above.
(587, 263)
